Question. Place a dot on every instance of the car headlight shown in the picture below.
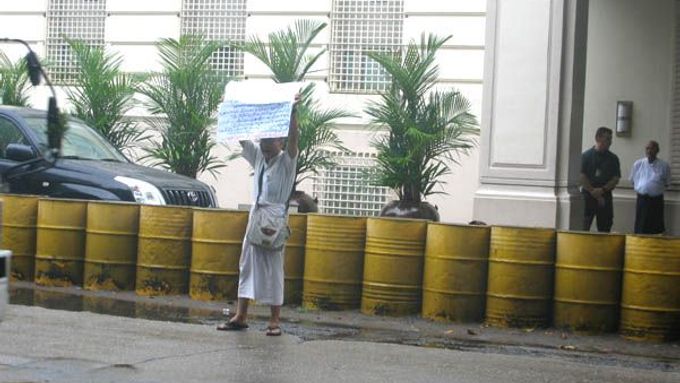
(143, 191)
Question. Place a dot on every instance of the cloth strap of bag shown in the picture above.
(259, 186)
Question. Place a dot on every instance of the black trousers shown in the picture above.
(604, 213)
(649, 215)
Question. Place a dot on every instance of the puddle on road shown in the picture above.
(304, 330)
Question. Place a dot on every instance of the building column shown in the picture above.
(532, 113)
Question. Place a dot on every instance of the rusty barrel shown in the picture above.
(19, 216)
(521, 269)
(334, 262)
(60, 242)
(455, 272)
(650, 303)
(163, 250)
(294, 259)
(111, 246)
(588, 281)
(216, 250)
(393, 266)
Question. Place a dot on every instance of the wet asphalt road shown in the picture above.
(42, 345)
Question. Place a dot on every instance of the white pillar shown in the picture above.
(532, 113)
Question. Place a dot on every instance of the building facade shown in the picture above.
(347, 79)
(555, 71)
(550, 72)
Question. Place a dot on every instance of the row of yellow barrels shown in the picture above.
(119, 246)
(512, 276)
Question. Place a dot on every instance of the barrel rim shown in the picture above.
(398, 219)
(461, 225)
(654, 236)
(64, 200)
(22, 196)
(591, 233)
(113, 203)
(218, 210)
(533, 228)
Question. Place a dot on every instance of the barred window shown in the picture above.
(357, 27)
(343, 189)
(82, 20)
(218, 20)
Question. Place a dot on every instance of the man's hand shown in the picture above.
(597, 193)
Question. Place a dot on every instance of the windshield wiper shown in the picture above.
(110, 160)
(74, 158)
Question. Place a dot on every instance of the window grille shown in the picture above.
(674, 144)
(357, 27)
(344, 189)
(82, 20)
(218, 20)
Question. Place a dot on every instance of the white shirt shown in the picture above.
(279, 174)
(650, 178)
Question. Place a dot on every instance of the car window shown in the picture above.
(9, 134)
(79, 141)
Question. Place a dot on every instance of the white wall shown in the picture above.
(128, 33)
(630, 57)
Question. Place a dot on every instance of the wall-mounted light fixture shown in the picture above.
(624, 118)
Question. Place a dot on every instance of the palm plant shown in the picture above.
(103, 94)
(14, 82)
(183, 99)
(286, 55)
(427, 129)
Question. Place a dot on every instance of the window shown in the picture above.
(218, 20)
(357, 27)
(343, 189)
(9, 134)
(75, 19)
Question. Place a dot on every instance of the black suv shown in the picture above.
(89, 167)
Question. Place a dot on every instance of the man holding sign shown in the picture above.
(261, 265)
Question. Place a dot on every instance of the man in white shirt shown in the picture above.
(650, 176)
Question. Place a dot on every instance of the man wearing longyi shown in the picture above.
(261, 267)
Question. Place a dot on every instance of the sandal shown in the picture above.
(232, 326)
(273, 331)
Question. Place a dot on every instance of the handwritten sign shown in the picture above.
(255, 109)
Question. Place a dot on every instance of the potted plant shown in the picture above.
(286, 55)
(102, 94)
(182, 99)
(14, 82)
(427, 129)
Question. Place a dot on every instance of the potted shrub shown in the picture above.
(286, 55)
(183, 99)
(102, 94)
(427, 129)
(14, 82)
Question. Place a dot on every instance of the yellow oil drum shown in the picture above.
(216, 250)
(650, 302)
(163, 250)
(60, 242)
(393, 266)
(455, 272)
(521, 270)
(588, 281)
(111, 246)
(294, 259)
(334, 262)
(19, 216)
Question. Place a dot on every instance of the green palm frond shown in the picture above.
(183, 99)
(427, 129)
(14, 82)
(285, 54)
(103, 94)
